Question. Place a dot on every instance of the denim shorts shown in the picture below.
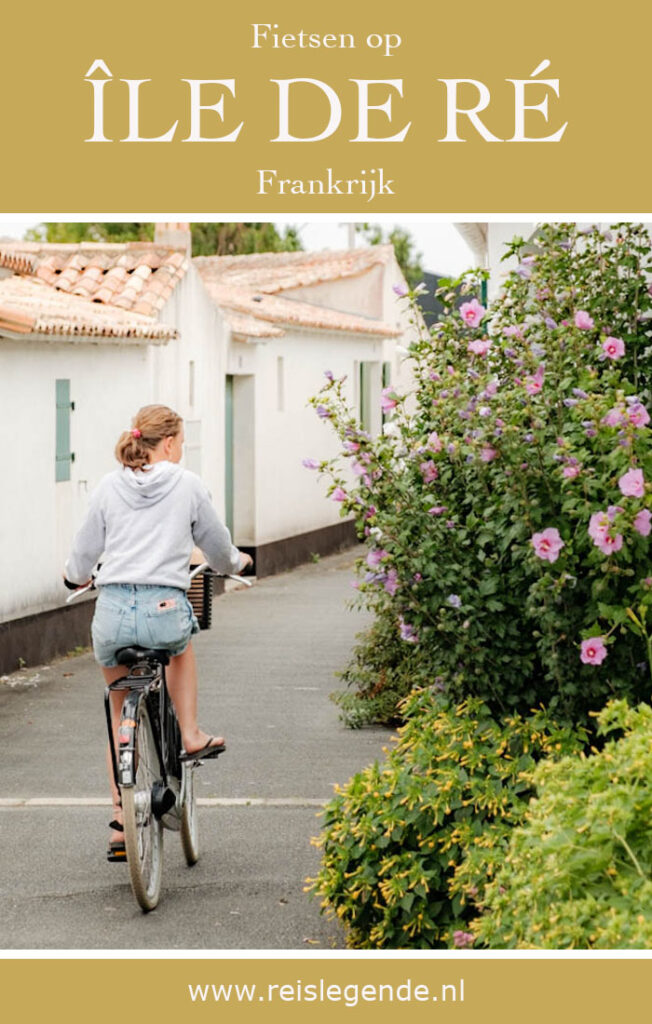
(149, 616)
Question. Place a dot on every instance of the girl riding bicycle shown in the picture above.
(145, 518)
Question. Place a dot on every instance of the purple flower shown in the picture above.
(488, 454)
(375, 557)
(323, 412)
(570, 402)
(579, 393)
(310, 464)
(463, 940)
(436, 510)
(400, 290)
(454, 600)
(328, 374)
(339, 495)
(408, 632)
(391, 582)
(550, 323)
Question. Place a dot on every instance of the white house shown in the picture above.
(291, 317)
(89, 333)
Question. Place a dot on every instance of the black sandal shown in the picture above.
(117, 850)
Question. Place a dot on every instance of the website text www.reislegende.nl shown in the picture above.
(323, 991)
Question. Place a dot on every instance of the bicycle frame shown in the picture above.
(151, 684)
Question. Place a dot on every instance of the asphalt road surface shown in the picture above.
(266, 669)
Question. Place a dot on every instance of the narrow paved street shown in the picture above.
(266, 669)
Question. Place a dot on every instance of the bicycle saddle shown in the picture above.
(132, 655)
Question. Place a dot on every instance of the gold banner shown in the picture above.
(460, 991)
(378, 71)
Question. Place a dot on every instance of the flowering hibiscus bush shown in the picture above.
(577, 874)
(507, 505)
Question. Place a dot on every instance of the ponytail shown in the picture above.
(149, 426)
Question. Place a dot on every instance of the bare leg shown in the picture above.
(116, 702)
(181, 675)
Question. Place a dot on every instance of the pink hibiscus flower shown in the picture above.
(429, 471)
(534, 384)
(638, 415)
(480, 347)
(583, 320)
(472, 313)
(388, 399)
(613, 348)
(593, 651)
(547, 544)
(643, 522)
(614, 417)
(632, 483)
(610, 543)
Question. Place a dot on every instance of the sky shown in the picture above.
(442, 247)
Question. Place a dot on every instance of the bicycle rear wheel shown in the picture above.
(189, 825)
(143, 831)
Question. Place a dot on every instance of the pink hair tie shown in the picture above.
(136, 432)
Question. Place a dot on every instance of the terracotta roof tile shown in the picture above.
(107, 273)
(250, 286)
(279, 271)
(31, 307)
(294, 313)
(250, 327)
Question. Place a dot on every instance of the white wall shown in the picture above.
(289, 499)
(498, 236)
(202, 341)
(38, 517)
(361, 295)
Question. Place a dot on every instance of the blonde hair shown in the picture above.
(149, 426)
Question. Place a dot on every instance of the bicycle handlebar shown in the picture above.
(195, 572)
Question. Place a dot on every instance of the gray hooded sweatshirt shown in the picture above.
(145, 524)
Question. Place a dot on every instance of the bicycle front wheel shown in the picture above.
(143, 831)
(189, 825)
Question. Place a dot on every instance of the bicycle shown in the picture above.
(155, 779)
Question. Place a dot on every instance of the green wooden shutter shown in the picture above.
(365, 395)
(63, 456)
(387, 380)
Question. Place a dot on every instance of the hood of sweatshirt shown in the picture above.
(142, 488)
